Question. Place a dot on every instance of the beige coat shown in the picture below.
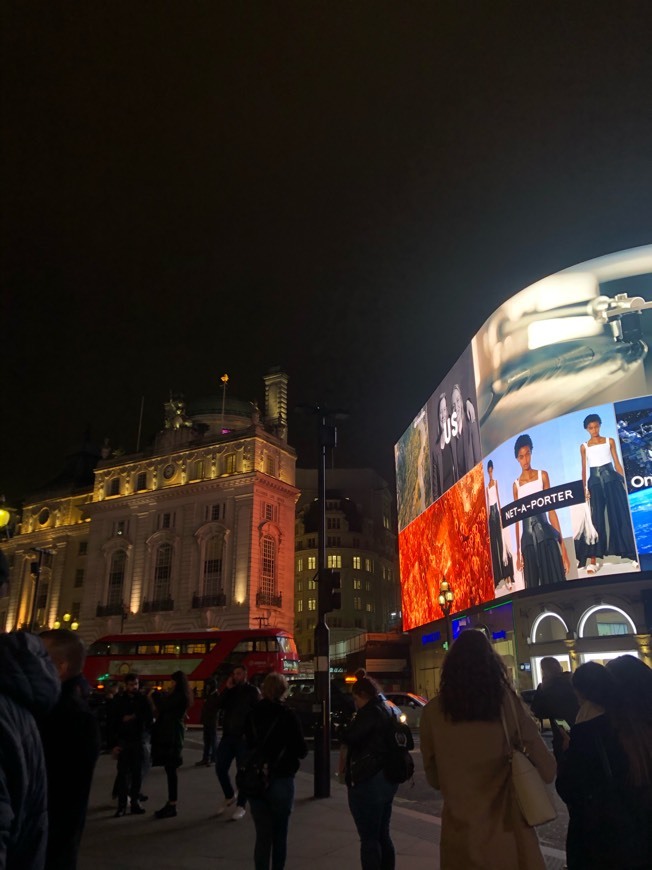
(482, 827)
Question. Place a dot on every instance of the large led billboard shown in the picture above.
(531, 462)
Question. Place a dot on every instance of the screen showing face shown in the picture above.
(547, 415)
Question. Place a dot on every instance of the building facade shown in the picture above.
(197, 531)
(360, 544)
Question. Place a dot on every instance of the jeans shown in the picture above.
(130, 771)
(271, 815)
(210, 743)
(228, 749)
(370, 803)
(173, 782)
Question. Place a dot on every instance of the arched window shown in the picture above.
(213, 566)
(162, 573)
(548, 626)
(116, 577)
(268, 577)
(605, 620)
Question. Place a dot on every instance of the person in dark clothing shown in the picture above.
(168, 735)
(369, 791)
(209, 725)
(71, 743)
(131, 722)
(606, 789)
(275, 730)
(555, 698)
(29, 688)
(237, 701)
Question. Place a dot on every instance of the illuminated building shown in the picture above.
(196, 531)
(525, 481)
(360, 544)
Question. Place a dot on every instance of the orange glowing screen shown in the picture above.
(450, 540)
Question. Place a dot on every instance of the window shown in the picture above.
(165, 521)
(357, 603)
(270, 465)
(386, 522)
(367, 585)
(216, 512)
(357, 583)
(75, 610)
(299, 605)
(268, 578)
(229, 463)
(334, 541)
(299, 586)
(213, 566)
(312, 543)
(269, 512)
(116, 577)
(312, 563)
(368, 565)
(332, 522)
(120, 527)
(312, 604)
(83, 548)
(310, 624)
(79, 578)
(357, 563)
(332, 504)
(312, 584)
(162, 572)
(370, 607)
(197, 470)
(334, 561)
(141, 480)
(114, 486)
(299, 565)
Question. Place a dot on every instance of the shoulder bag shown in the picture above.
(530, 790)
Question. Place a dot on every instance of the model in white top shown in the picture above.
(501, 561)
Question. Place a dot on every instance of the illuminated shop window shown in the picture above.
(548, 626)
(605, 620)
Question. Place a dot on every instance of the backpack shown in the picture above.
(398, 765)
(254, 775)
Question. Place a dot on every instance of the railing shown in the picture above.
(157, 604)
(217, 599)
(116, 609)
(268, 599)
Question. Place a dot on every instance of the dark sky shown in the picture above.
(345, 189)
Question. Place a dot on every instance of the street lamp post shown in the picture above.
(445, 600)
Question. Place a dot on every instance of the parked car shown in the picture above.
(409, 704)
(303, 700)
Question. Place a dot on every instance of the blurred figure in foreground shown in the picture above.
(29, 687)
(605, 774)
(555, 698)
(274, 730)
(466, 757)
(168, 735)
(71, 743)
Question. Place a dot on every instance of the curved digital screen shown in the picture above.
(531, 462)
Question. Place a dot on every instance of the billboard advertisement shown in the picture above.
(549, 414)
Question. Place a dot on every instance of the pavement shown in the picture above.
(322, 834)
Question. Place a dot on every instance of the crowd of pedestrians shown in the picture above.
(600, 717)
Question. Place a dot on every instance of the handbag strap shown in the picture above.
(510, 742)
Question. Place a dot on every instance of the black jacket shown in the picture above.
(610, 823)
(283, 746)
(29, 687)
(366, 740)
(556, 699)
(237, 703)
(168, 732)
(134, 732)
(71, 743)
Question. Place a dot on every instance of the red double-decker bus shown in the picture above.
(202, 655)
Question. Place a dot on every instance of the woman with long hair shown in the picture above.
(540, 551)
(168, 734)
(466, 756)
(501, 561)
(370, 793)
(605, 776)
(604, 487)
(274, 730)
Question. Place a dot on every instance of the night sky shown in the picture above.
(344, 189)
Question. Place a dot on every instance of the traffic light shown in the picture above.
(330, 591)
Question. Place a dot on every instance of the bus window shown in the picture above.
(123, 648)
(260, 644)
(99, 648)
(194, 648)
(272, 644)
(170, 649)
(287, 645)
(212, 645)
(244, 646)
(145, 649)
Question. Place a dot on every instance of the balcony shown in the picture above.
(157, 604)
(268, 599)
(115, 609)
(217, 599)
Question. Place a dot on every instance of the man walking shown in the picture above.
(237, 700)
(71, 743)
(132, 720)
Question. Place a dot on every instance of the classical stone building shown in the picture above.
(195, 531)
(361, 545)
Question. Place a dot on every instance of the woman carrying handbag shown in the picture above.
(467, 757)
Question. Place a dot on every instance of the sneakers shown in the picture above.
(121, 811)
(166, 812)
(136, 809)
(227, 803)
(238, 813)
